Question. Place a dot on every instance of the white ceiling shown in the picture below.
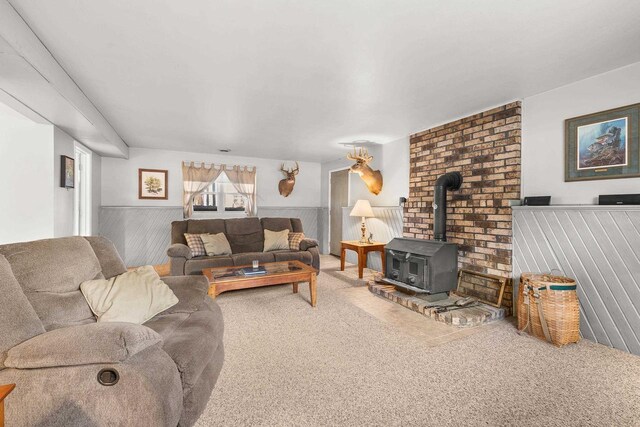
(291, 79)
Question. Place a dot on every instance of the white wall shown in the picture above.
(543, 119)
(393, 161)
(120, 178)
(63, 144)
(395, 172)
(26, 169)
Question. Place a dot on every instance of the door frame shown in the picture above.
(83, 226)
(329, 201)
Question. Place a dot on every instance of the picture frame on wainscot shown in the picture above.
(603, 145)
(67, 172)
(152, 184)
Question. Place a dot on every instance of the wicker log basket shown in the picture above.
(548, 308)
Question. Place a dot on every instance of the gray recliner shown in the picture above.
(71, 371)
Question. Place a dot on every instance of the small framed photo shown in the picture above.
(152, 184)
(67, 172)
(603, 145)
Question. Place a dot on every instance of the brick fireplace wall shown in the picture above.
(485, 148)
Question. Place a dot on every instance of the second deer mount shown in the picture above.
(285, 186)
(372, 179)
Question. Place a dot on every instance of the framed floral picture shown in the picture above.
(152, 184)
(603, 145)
(67, 172)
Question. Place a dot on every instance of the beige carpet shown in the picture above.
(336, 365)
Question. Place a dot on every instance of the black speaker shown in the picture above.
(537, 201)
(619, 199)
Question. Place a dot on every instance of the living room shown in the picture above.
(319, 213)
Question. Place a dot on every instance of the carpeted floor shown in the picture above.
(336, 365)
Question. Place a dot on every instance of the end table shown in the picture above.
(362, 249)
(4, 392)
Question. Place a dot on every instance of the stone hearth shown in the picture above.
(464, 317)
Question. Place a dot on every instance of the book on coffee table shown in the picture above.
(250, 271)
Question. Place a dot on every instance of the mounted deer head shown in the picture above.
(285, 186)
(373, 179)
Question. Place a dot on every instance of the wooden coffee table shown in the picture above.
(224, 279)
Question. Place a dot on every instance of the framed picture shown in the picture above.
(603, 145)
(152, 184)
(67, 172)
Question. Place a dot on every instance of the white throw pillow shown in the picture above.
(135, 296)
(216, 244)
(276, 240)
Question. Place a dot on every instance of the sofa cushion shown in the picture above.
(216, 244)
(244, 235)
(195, 243)
(302, 256)
(50, 272)
(206, 226)
(248, 258)
(196, 265)
(18, 319)
(110, 261)
(276, 224)
(135, 296)
(296, 225)
(294, 241)
(276, 240)
(193, 342)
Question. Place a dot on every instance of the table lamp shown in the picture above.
(362, 208)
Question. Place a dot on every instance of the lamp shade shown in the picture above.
(362, 208)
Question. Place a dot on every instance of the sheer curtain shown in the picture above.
(244, 181)
(195, 180)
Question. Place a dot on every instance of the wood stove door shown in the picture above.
(395, 263)
(416, 271)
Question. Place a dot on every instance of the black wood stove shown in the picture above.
(427, 266)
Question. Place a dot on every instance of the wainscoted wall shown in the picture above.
(142, 234)
(599, 246)
(386, 225)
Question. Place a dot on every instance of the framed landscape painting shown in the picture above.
(152, 184)
(603, 145)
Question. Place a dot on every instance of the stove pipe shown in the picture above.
(448, 181)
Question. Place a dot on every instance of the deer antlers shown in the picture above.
(290, 171)
(361, 156)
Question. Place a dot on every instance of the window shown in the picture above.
(220, 196)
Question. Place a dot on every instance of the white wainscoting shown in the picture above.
(143, 234)
(386, 225)
(599, 246)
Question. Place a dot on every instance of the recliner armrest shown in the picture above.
(109, 342)
(305, 244)
(179, 250)
(190, 290)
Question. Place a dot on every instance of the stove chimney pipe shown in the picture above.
(448, 181)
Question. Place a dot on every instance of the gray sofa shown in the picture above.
(53, 349)
(246, 238)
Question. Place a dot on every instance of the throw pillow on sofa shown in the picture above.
(276, 240)
(135, 296)
(194, 241)
(216, 244)
(294, 241)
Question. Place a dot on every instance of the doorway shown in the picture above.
(338, 198)
(82, 196)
